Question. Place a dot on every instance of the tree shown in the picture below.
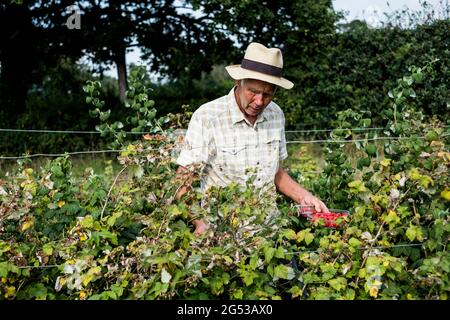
(16, 57)
(180, 40)
(304, 30)
(33, 37)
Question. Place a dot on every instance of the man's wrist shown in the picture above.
(300, 195)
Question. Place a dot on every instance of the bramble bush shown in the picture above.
(101, 236)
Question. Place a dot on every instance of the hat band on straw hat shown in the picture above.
(261, 67)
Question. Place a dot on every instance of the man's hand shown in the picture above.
(185, 177)
(286, 185)
(200, 227)
(309, 200)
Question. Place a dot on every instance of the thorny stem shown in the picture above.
(162, 223)
(17, 291)
(337, 257)
(370, 248)
(110, 190)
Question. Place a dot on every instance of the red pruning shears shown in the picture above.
(330, 217)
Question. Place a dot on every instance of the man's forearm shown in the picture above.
(182, 191)
(185, 177)
(288, 186)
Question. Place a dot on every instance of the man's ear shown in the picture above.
(237, 82)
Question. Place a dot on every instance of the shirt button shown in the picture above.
(257, 162)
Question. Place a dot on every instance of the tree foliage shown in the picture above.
(34, 38)
(334, 66)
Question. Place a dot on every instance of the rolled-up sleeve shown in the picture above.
(196, 147)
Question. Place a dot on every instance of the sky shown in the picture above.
(372, 10)
(369, 10)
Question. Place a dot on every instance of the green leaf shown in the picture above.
(253, 263)
(6, 267)
(392, 219)
(268, 253)
(48, 249)
(338, 283)
(87, 222)
(324, 243)
(284, 272)
(38, 290)
(295, 291)
(446, 194)
(238, 294)
(349, 294)
(309, 237)
(371, 150)
(355, 243)
(357, 186)
(248, 276)
(289, 234)
(175, 211)
(279, 253)
(3, 269)
(414, 232)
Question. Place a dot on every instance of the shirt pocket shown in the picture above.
(231, 158)
(272, 145)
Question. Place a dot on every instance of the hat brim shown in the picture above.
(238, 73)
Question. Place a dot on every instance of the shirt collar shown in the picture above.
(236, 113)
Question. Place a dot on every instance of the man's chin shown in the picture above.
(252, 112)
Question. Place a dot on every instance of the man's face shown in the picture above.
(254, 96)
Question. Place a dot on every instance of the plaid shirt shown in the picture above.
(228, 144)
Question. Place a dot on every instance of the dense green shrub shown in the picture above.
(126, 237)
(357, 69)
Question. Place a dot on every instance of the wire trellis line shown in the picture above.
(59, 154)
(204, 147)
(48, 131)
(40, 267)
(355, 140)
(147, 132)
(66, 131)
(329, 130)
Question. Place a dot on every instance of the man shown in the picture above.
(244, 129)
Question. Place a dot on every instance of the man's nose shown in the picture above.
(259, 98)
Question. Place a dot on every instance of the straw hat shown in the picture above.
(261, 63)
